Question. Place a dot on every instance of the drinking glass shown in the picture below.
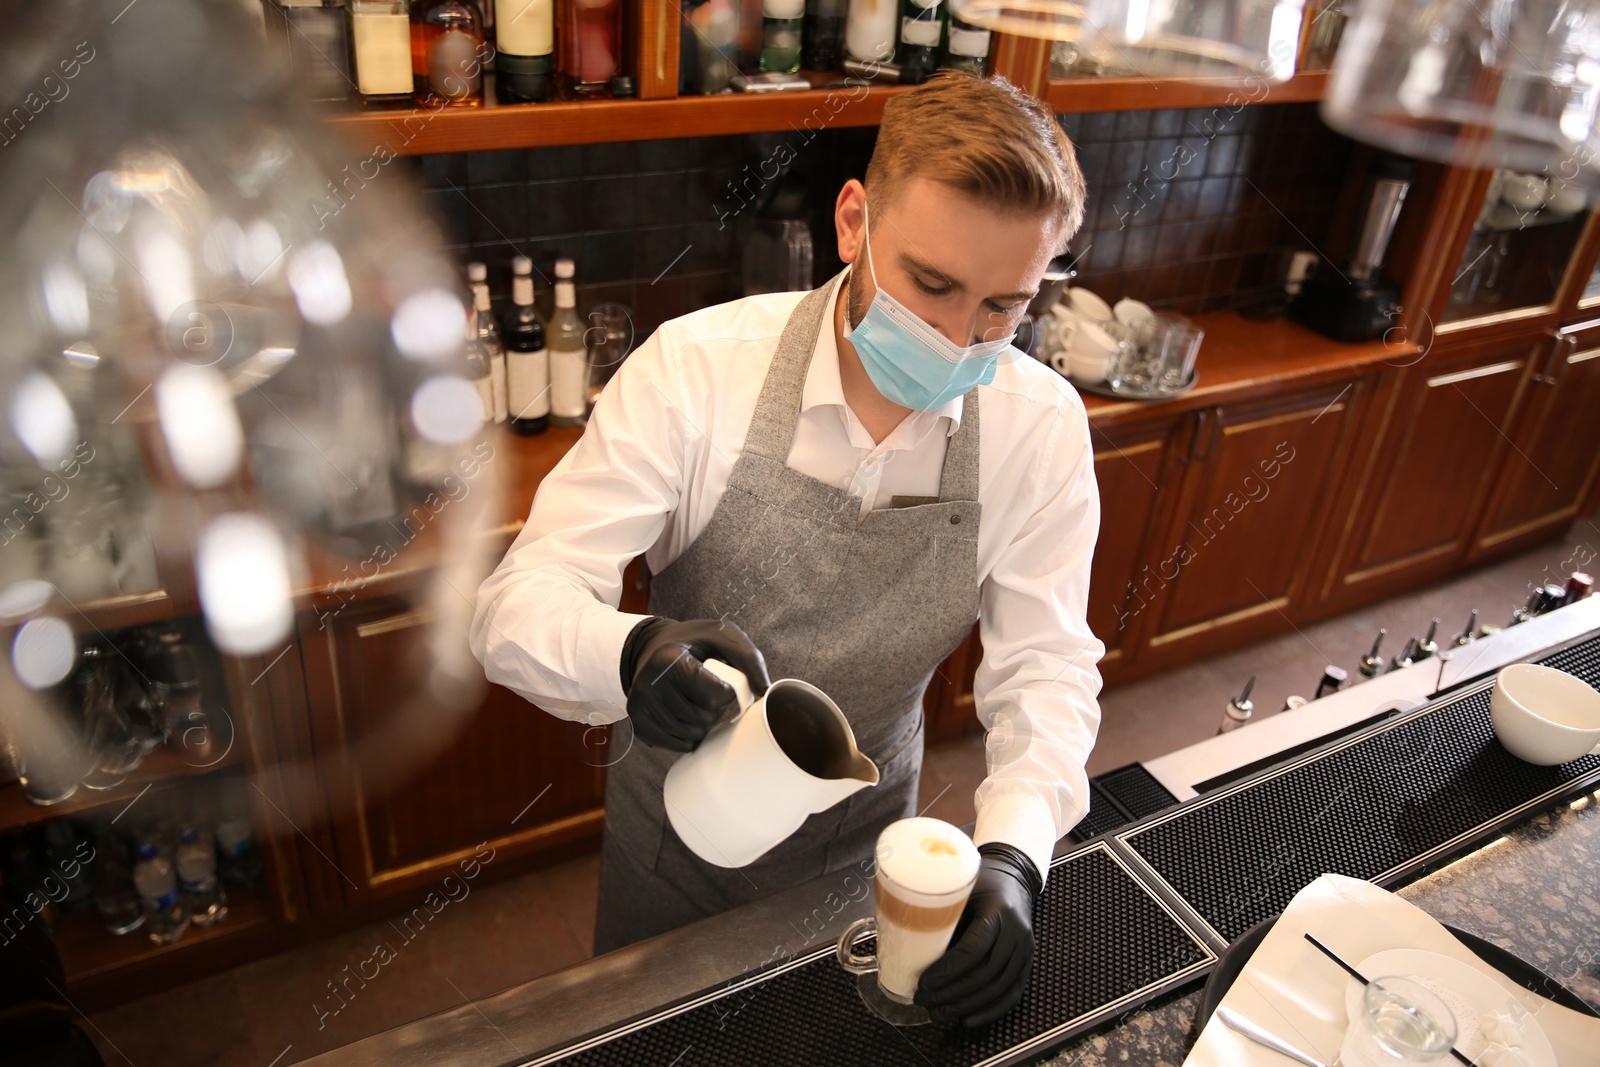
(1401, 1023)
(1171, 344)
(608, 340)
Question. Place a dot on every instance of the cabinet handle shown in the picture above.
(1216, 429)
(1555, 368)
(1199, 428)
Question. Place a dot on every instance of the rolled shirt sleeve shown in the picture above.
(1037, 686)
(547, 625)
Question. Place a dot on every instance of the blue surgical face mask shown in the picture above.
(909, 361)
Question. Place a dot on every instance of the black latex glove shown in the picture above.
(673, 701)
(983, 973)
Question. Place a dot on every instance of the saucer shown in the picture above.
(890, 1011)
(1104, 389)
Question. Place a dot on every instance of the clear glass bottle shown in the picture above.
(527, 356)
(590, 40)
(479, 370)
(569, 363)
(966, 47)
(525, 37)
(115, 899)
(822, 43)
(449, 34)
(489, 335)
(921, 29)
(380, 51)
(781, 22)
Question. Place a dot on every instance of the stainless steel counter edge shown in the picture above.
(519, 1025)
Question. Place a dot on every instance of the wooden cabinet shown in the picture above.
(1447, 429)
(1261, 482)
(1132, 467)
(414, 784)
(1549, 473)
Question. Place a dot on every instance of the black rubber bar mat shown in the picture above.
(1137, 790)
(1104, 944)
(1379, 805)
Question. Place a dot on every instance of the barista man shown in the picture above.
(833, 486)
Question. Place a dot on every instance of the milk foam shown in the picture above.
(926, 858)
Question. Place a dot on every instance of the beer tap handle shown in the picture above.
(1469, 634)
(1372, 664)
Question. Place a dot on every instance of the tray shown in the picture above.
(1102, 389)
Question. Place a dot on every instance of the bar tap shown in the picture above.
(1372, 663)
(1467, 636)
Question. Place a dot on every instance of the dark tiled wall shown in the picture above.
(1196, 209)
(1189, 209)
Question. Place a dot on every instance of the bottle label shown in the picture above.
(383, 53)
(569, 374)
(522, 291)
(528, 375)
(920, 31)
(525, 27)
(164, 902)
(566, 294)
(486, 394)
(926, 5)
(784, 9)
(968, 42)
(480, 295)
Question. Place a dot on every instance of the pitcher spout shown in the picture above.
(860, 774)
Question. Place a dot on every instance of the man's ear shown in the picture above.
(849, 219)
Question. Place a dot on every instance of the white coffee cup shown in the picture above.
(1543, 715)
(926, 869)
(1093, 350)
(1133, 313)
(1086, 306)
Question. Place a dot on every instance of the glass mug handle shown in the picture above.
(848, 959)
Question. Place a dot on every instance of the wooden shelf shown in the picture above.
(416, 131)
(412, 132)
(90, 954)
(160, 767)
(1079, 95)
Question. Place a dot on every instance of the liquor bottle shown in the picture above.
(527, 358)
(871, 29)
(449, 34)
(380, 51)
(569, 363)
(921, 29)
(967, 47)
(489, 335)
(780, 35)
(525, 39)
(479, 372)
(822, 43)
(591, 47)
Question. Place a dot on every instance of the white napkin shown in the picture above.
(1298, 994)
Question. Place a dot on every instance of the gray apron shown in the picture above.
(864, 609)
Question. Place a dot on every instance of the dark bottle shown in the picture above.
(921, 29)
(780, 35)
(967, 48)
(822, 42)
(525, 44)
(527, 355)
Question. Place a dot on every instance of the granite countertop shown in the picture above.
(1535, 891)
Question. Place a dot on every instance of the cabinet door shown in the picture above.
(415, 784)
(1524, 254)
(1544, 481)
(1261, 484)
(1447, 429)
(1133, 468)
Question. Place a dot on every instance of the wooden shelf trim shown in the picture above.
(89, 952)
(1078, 95)
(160, 767)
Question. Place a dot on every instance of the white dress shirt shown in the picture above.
(655, 459)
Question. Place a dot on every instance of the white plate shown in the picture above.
(1469, 992)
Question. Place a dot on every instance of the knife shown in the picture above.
(1234, 1021)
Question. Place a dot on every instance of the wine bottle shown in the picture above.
(967, 47)
(527, 358)
(569, 362)
(780, 35)
(525, 48)
(921, 29)
(489, 336)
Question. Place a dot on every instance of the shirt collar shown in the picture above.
(824, 386)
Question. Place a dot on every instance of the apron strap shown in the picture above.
(771, 432)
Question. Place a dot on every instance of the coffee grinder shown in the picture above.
(1358, 303)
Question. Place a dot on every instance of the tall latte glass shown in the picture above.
(926, 870)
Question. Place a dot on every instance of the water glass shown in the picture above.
(1173, 344)
(607, 341)
(1401, 1023)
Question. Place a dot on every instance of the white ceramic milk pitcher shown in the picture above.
(755, 778)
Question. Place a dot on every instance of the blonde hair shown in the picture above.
(984, 137)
